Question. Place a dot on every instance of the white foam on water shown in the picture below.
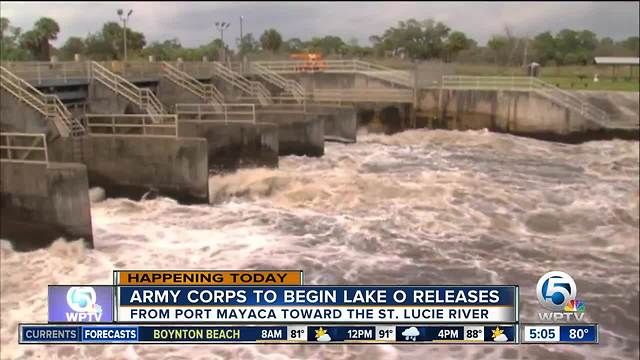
(96, 194)
(419, 207)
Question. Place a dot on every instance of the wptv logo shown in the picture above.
(82, 300)
(556, 291)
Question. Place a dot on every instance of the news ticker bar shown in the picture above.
(369, 334)
(169, 334)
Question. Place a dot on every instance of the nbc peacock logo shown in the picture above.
(574, 306)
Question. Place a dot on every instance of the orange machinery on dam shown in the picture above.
(312, 61)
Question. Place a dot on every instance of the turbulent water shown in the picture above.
(420, 207)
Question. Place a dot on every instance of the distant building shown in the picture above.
(533, 69)
(618, 61)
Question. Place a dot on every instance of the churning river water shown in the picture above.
(419, 207)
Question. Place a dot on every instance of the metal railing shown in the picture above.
(23, 148)
(291, 86)
(163, 125)
(48, 105)
(340, 96)
(143, 98)
(525, 83)
(398, 77)
(151, 102)
(39, 72)
(206, 92)
(138, 70)
(252, 88)
(226, 113)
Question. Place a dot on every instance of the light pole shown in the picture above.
(124, 22)
(241, 37)
(222, 26)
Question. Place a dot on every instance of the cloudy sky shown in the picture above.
(192, 22)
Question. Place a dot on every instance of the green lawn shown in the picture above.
(571, 77)
(574, 83)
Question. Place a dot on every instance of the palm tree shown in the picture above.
(46, 29)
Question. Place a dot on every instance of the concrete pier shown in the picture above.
(130, 166)
(40, 203)
(299, 133)
(523, 113)
(340, 122)
(236, 144)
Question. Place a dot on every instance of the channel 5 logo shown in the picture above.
(556, 291)
(83, 301)
(80, 303)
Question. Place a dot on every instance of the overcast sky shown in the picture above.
(192, 22)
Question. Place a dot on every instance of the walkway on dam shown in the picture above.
(394, 86)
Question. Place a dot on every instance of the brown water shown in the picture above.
(420, 207)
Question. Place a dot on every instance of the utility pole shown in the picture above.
(241, 37)
(124, 22)
(526, 46)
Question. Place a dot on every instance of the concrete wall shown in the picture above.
(622, 106)
(130, 166)
(427, 109)
(230, 92)
(340, 123)
(235, 145)
(41, 203)
(517, 112)
(299, 133)
(171, 94)
(103, 100)
(17, 116)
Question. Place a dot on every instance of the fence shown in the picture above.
(23, 148)
(39, 72)
(131, 125)
(400, 77)
(226, 113)
(340, 96)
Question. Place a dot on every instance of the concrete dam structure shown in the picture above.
(145, 128)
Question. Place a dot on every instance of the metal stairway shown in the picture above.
(290, 86)
(49, 106)
(207, 92)
(144, 98)
(252, 88)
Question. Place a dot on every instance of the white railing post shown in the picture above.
(46, 152)
(253, 112)
(9, 147)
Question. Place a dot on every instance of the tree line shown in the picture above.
(410, 39)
